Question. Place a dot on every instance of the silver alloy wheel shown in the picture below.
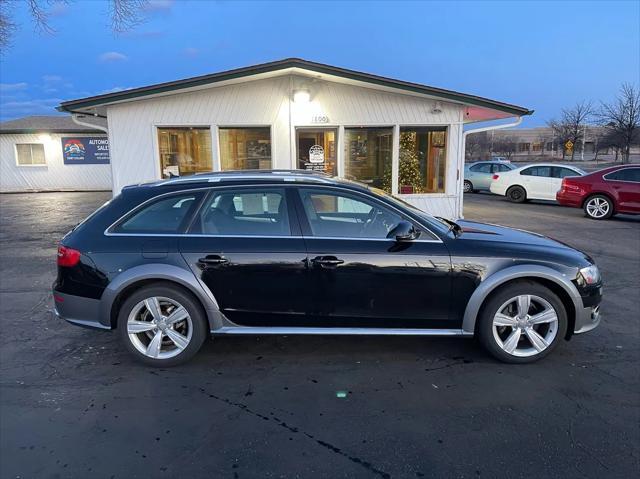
(525, 325)
(598, 207)
(467, 187)
(159, 327)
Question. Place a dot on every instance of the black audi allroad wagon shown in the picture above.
(290, 252)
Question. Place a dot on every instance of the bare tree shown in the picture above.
(621, 118)
(571, 125)
(505, 146)
(477, 145)
(124, 15)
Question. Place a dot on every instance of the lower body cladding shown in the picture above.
(86, 312)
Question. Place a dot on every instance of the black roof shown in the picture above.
(48, 124)
(83, 103)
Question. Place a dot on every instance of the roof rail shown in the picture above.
(214, 177)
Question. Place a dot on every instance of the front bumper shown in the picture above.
(587, 319)
(78, 310)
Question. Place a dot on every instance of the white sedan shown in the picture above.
(532, 182)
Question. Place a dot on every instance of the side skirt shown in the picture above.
(340, 331)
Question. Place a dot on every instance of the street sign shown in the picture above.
(568, 145)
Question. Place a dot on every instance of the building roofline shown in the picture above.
(287, 63)
(35, 131)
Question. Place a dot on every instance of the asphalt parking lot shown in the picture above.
(74, 404)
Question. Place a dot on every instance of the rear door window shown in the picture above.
(165, 215)
(537, 171)
(244, 212)
(560, 172)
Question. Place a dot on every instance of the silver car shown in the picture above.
(477, 176)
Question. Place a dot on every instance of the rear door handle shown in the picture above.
(211, 260)
(326, 261)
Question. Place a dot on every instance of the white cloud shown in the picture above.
(113, 57)
(41, 106)
(51, 78)
(4, 87)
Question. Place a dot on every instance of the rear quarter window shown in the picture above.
(166, 215)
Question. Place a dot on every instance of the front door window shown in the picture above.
(317, 149)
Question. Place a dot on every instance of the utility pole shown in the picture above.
(584, 138)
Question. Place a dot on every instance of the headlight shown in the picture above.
(590, 275)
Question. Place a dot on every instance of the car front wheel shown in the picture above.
(162, 325)
(522, 322)
(598, 207)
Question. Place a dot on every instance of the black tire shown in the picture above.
(468, 187)
(594, 206)
(516, 194)
(199, 329)
(484, 327)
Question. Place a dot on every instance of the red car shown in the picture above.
(604, 192)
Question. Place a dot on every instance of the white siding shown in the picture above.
(55, 175)
(133, 125)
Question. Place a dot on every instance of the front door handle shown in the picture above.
(211, 260)
(326, 261)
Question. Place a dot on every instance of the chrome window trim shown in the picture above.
(108, 232)
(190, 235)
(604, 177)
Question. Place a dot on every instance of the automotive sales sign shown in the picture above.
(85, 150)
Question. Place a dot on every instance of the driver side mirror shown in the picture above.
(403, 231)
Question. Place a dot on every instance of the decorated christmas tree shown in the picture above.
(408, 165)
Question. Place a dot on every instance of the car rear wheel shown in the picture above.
(598, 207)
(516, 194)
(162, 325)
(522, 323)
(468, 186)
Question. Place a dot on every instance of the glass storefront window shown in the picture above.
(317, 149)
(367, 156)
(245, 148)
(184, 151)
(422, 162)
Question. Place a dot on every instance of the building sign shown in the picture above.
(85, 150)
(316, 154)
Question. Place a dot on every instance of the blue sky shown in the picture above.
(542, 55)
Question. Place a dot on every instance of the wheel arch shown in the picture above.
(552, 279)
(129, 281)
(599, 193)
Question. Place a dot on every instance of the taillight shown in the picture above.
(68, 256)
(495, 177)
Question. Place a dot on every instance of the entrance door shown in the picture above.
(316, 149)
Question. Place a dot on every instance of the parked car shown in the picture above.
(477, 176)
(275, 252)
(604, 193)
(532, 182)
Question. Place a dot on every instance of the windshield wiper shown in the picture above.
(453, 226)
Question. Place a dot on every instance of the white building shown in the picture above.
(404, 137)
(33, 156)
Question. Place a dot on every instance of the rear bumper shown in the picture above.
(78, 310)
(497, 188)
(567, 198)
